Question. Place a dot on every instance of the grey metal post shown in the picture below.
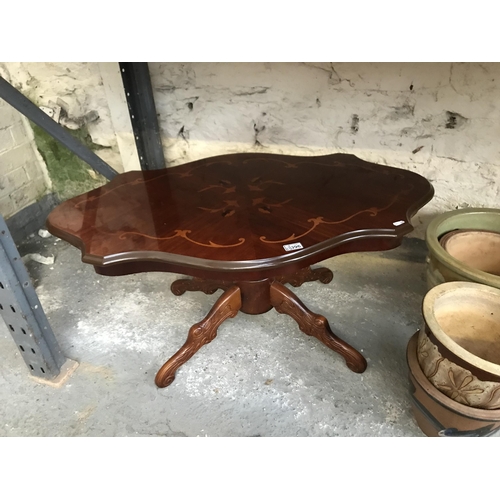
(142, 109)
(23, 313)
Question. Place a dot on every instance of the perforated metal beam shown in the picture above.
(142, 110)
(24, 315)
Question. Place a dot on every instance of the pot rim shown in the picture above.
(434, 231)
(430, 318)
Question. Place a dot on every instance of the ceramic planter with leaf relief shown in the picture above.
(438, 415)
(464, 245)
(459, 344)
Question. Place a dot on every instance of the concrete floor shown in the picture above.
(261, 376)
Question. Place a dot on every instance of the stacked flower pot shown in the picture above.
(454, 360)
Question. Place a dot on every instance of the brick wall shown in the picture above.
(23, 176)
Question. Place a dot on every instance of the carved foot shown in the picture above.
(286, 302)
(227, 306)
(209, 287)
(297, 279)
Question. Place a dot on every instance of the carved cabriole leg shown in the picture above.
(297, 279)
(227, 306)
(286, 302)
(209, 287)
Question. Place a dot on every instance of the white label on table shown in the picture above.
(293, 246)
(398, 223)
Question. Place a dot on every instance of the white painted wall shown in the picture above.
(392, 113)
(309, 108)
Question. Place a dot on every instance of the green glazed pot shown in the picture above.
(441, 266)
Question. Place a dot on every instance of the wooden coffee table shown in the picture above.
(247, 224)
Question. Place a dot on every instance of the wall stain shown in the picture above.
(402, 111)
(455, 120)
(354, 124)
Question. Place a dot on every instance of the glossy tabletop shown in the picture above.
(247, 214)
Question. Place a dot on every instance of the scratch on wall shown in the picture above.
(251, 91)
(257, 131)
(183, 133)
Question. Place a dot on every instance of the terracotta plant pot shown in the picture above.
(477, 249)
(437, 414)
(459, 345)
(470, 257)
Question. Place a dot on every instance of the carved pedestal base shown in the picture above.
(179, 287)
(297, 279)
(256, 297)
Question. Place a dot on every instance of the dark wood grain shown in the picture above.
(229, 217)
